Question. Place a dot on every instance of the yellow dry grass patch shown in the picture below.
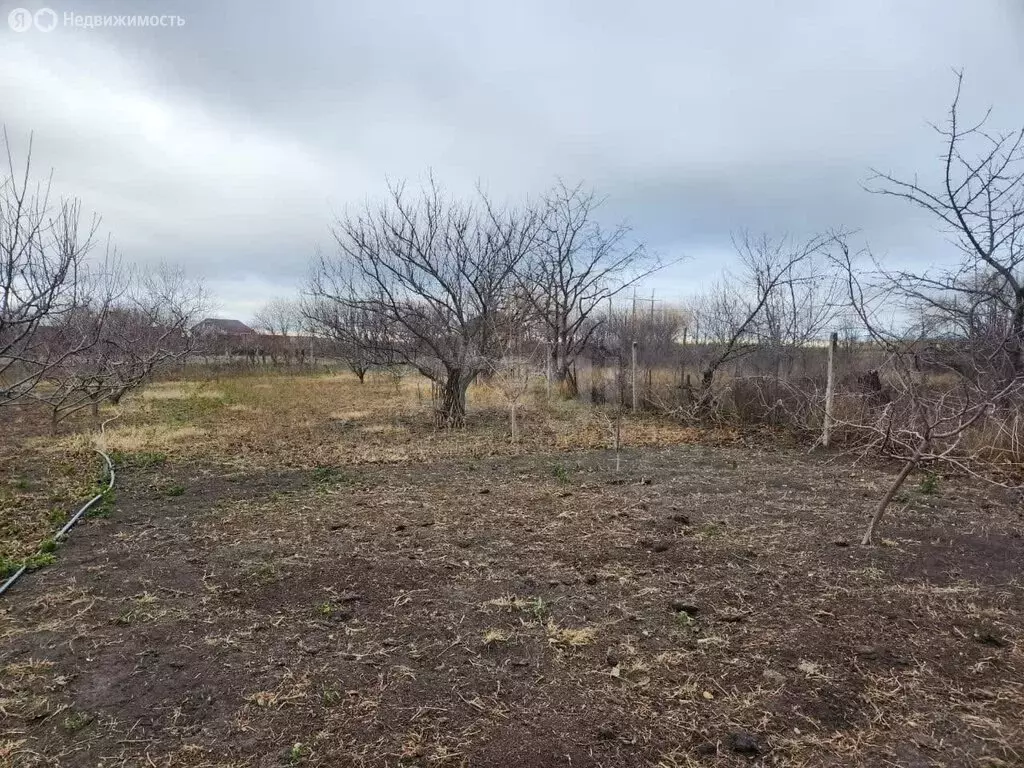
(383, 429)
(492, 636)
(263, 419)
(30, 668)
(174, 390)
(349, 415)
(510, 602)
(570, 638)
(11, 750)
(150, 437)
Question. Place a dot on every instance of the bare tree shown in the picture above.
(774, 300)
(980, 201)
(43, 250)
(511, 377)
(967, 321)
(657, 334)
(278, 321)
(279, 317)
(150, 330)
(576, 268)
(76, 380)
(436, 274)
(928, 419)
(135, 324)
(358, 337)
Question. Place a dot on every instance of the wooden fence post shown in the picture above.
(634, 379)
(830, 390)
(548, 372)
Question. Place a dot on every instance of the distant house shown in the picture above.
(217, 327)
(220, 337)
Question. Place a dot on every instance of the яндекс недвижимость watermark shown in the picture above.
(47, 19)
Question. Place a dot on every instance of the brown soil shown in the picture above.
(704, 606)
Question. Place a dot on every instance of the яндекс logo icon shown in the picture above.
(20, 20)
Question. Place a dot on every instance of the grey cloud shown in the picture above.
(227, 143)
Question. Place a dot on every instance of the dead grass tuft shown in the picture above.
(568, 637)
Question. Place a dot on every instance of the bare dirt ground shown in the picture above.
(702, 606)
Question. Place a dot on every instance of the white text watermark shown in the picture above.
(47, 19)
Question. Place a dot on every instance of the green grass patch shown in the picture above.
(187, 411)
(331, 476)
(139, 459)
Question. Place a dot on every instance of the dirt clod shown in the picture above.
(744, 743)
(685, 606)
(989, 637)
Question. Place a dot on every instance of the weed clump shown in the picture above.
(929, 484)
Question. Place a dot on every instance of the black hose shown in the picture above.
(63, 532)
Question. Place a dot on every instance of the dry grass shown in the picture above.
(126, 439)
(307, 421)
(568, 637)
(397, 615)
(271, 420)
(174, 390)
(333, 582)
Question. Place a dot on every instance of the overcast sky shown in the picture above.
(228, 143)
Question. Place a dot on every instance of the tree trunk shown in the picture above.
(702, 406)
(562, 362)
(567, 384)
(1017, 328)
(451, 411)
(894, 487)
(94, 407)
(707, 378)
